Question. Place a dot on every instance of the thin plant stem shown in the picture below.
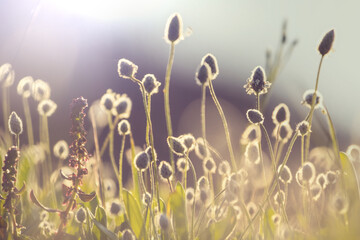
(302, 151)
(5, 106)
(120, 165)
(309, 118)
(111, 145)
(167, 101)
(147, 124)
(30, 134)
(98, 159)
(107, 139)
(226, 128)
(203, 114)
(195, 189)
(133, 169)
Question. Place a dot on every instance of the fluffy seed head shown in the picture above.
(252, 133)
(224, 168)
(257, 83)
(46, 107)
(252, 154)
(15, 124)
(126, 68)
(353, 152)
(209, 165)
(150, 83)
(40, 90)
(173, 29)
(182, 165)
(124, 127)
(24, 87)
(252, 209)
(122, 106)
(61, 150)
(212, 62)
(276, 218)
(308, 96)
(107, 100)
(165, 171)
(254, 116)
(308, 172)
(282, 132)
(285, 175)
(7, 75)
(281, 114)
(326, 43)
(116, 208)
(142, 161)
(200, 149)
(189, 141)
(203, 183)
(177, 147)
(331, 177)
(303, 128)
(203, 74)
(204, 196)
(321, 180)
(189, 195)
(127, 235)
(279, 198)
(80, 215)
(340, 203)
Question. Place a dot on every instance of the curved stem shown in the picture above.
(167, 101)
(120, 166)
(226, 128)
(203, 114)
(111, 145)
(30, 134)
(195, 188)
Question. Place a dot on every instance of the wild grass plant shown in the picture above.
(61, 191)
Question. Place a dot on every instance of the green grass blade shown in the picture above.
(100, 217)
(178, 207)
(133, 212)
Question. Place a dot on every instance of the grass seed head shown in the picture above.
(40, 90)
(281, 114)
(15, 124)
(7, 75)
(127, 234)
(142, 161)
(279, 198)
(107, 100)
(80, 215)
(124, 127)
(252, 133)
(173, 29)
(331, 177)
(46, 107)
(61, 150)
(182, 165)
(189, 141)
(285, 175)
(315, 190)
(177, 147)
(203, 183)
(327, 42)
(257, 83)
(308, 172)
(116, 208)
(255, 116)
(165, 170)
(212, 63)
(252, 209)
(163, 221)
(224, 168)
(200, 150)
(209, 165)
(303, 128)
(122, 106)
(126, 69)
(203, 74)
(321, 180)
(150, 83)
(282, 132)
(252, 153)
(189, 195)
(24, 87)
(308, 96)
(353, 152)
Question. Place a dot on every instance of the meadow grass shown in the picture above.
(62, 192)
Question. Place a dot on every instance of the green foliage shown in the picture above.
(177, 206)
(133, 213)
(100, 224)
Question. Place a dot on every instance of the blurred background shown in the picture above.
(75, 45)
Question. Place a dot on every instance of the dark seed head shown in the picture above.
(176, 145)
(150, 83)
(165, 170)
(173, 30)
(212, 62)
(203, 75)
(142, 161)
(126, 68)
(254, 116)
(326, 43)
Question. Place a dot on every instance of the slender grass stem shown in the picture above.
(30, 134)
(167, 101)
(147, 124)
(121, 165)
(195, 189)
(226, 128)
(5, 106)
(111, 145)
(302, 151)
(133, 169)
(309, 118)
(98, 159)
(203, 114)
